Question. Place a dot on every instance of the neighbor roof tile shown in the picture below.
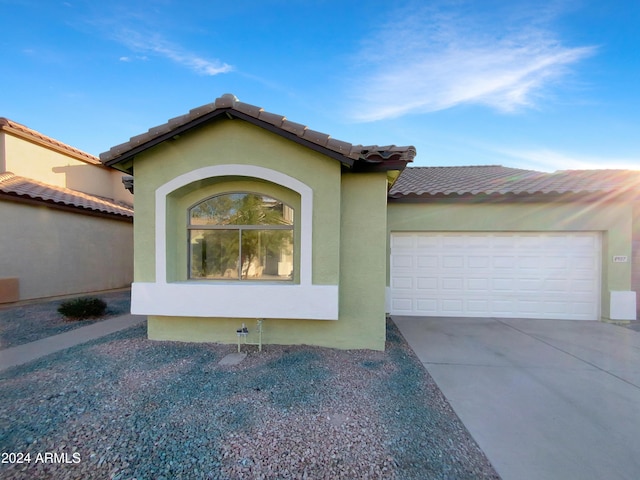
(17, 186)
(37, 137)
(498, 180)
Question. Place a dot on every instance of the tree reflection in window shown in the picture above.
(241, 236)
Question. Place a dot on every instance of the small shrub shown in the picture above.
(82, 308)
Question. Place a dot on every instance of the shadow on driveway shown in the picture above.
(544, 399)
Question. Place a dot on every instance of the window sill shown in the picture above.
(235, 300)
(213, 281)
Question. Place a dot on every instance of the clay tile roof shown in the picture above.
(354, 156)
(16, 186)
(498, 180)
(37, 137)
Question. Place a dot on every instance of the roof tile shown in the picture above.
(498, 180)
(229, 103)
(293, 127)
(251, 110)
(202, 110)
(25, 187)
(316, 137)
(272, 118)
(227, 100)
(19, 129)
(339, 146)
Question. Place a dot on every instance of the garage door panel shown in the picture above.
(404, 283)
(528, 275)
(427, 306)
(560, 285)
(452, 306)
(453, 284)
(506, 262)
(427, 284)
(503, 305)
(478, 306)
(479, 284)
(402, 261)
(453, 241)
(426, 241)
(527, 285)
(583, 286)
(427, 261)
(452, 261)
(402, 305)
(403, 241)
(475, 261)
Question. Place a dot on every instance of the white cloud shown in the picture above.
(549, 160)
(155, 44)
(433, 59)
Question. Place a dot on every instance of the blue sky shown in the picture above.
(540, 85)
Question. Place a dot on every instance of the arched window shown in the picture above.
(241, 236)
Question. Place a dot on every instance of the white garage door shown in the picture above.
(520, 275)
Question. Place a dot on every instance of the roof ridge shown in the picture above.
(46, 141)
(391, 156)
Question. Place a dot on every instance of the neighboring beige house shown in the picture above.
(242, 214)
(66, 220)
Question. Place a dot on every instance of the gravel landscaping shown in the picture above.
(124, 407)
(34, 321)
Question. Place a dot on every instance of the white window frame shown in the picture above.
(238, 228)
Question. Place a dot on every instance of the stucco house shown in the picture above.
(66, 219)
(242, 214)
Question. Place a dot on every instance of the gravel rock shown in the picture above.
(128, 407)
(38, 320)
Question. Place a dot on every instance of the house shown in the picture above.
(67, 220)
(242, 214)
(506, 242)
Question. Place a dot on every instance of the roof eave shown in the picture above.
(49, 143)
(583, 196)
(26, 199)
(230, 113)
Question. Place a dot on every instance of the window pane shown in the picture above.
(241, 209)
(214, 254)
(267, 254)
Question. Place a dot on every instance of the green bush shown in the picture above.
(82, 308)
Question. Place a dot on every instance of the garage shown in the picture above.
(496, 274)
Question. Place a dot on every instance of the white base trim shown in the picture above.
(192, 299)
(387, 299)
(623, 305)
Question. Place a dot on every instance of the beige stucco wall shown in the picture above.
(349, 235)
(53, 252)
(35, 161)
(612, 219)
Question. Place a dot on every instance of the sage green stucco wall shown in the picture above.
(349, 232)
(362, 287)
(612, 219)
(238, 142)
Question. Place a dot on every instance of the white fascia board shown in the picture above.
(195, 299)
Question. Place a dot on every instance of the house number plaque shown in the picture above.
(620, 259)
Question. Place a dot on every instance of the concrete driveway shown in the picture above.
(544, 399)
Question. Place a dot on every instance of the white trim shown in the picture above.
(306, 207)
(194, 299)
